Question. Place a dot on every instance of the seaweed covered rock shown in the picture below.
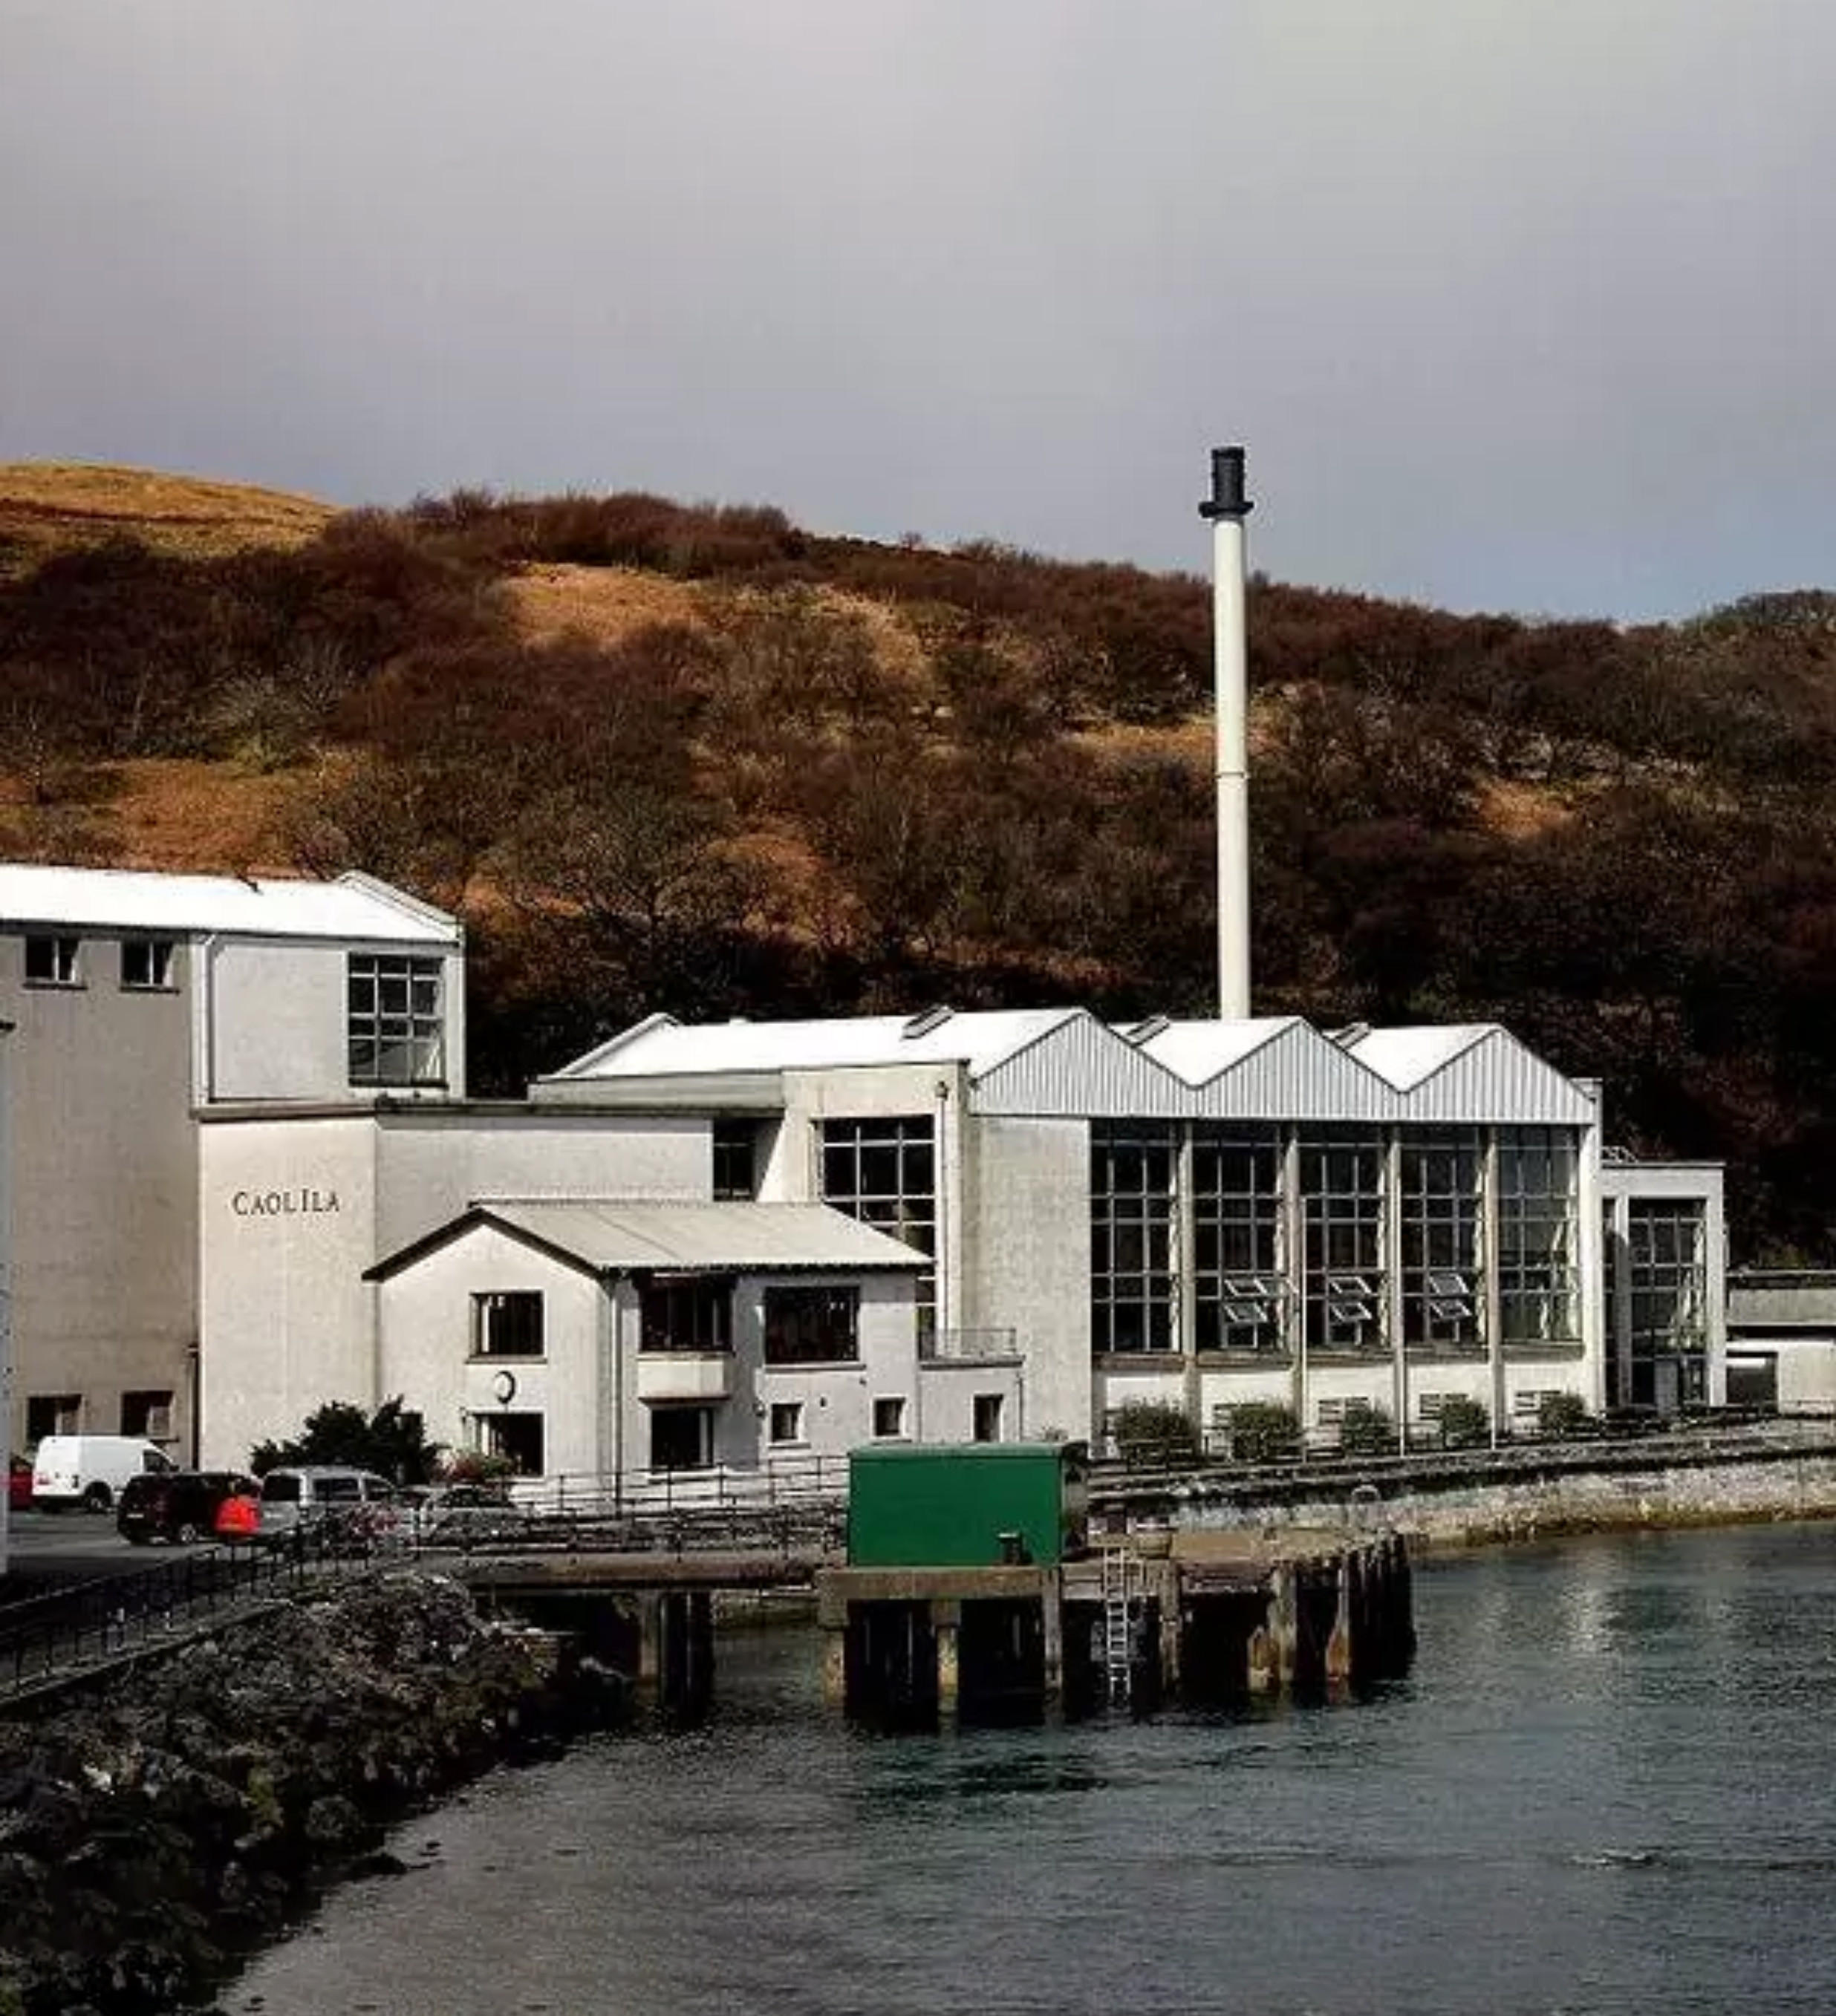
(148, 1835)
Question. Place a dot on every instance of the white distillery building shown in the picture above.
(1201, 1214)
(142, 1003)
(247, 1180)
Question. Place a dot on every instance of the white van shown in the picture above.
(89, 1471)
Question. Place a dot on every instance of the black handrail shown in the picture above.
(46, 1638)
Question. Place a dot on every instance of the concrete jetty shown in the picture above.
(1193, 1617)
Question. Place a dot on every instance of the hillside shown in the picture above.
(697, 758)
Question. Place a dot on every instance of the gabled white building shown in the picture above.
(143, 1002)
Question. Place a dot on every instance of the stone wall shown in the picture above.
(1536, 1505)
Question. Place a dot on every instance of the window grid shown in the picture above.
(393, 1024)
(691, 1315)
(1342, 1189)
(1132, 1175)
(1239, 1281)
(1442, 1242)
(507, 1324)
(884, 1173)
(1666, 1265)
(812, 1325)
(1536, 1235)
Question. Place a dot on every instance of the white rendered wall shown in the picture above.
(425, 1317)
(275, 1024)
(433, 1163)
(1026, 1216)
(105, 1210)
(286, 1320)
(585, 1383)
(287, 1218)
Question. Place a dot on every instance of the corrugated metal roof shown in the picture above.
(757, 1237)
(355, 906)
(1065, 1062)
(1405, 1057)
(662, 1046)
(1198, 1051)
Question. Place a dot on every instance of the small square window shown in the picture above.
(50, 962)
(889, 1416)
(52, 1414)
(518, 1438)
(507, 1325)
(787, 1421)
(147, 964)
(989, 1409)
(735, 1153)
(148, 1414)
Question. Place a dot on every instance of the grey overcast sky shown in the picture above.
(1521, 304)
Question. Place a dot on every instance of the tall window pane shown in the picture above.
(1442, 1289)
(1537, 1265)
(1668, 1262)
(1240, 1277)
(1342, 1211)
(1132, 1170)
(883, 1171)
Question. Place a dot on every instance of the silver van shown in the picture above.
(305, 1494)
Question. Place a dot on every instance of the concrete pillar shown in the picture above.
(1340, 1647)
(949, 1667)
(1170, 1636)
(649, 1639)
(834, 1667)
(1051, 1606)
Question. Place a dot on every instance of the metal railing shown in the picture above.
(90, 1625)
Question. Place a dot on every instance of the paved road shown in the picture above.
(50, 1550)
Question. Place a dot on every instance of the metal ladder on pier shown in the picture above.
(1123, 1584)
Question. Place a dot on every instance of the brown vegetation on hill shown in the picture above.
(698, 759)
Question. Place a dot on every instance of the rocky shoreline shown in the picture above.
(154, 1832)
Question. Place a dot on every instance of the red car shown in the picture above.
(18, 1484)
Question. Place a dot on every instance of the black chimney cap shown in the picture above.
(1227, 499)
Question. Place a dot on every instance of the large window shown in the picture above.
(1668, 1270)
(507, 1325)
(1342, 1197)
(1132, 1173)
(686, 1312)
(1442, 1300)
(884, 1173)
(394, 1022)
(1536, 1235)
(812, 1325)
(1239, 1283)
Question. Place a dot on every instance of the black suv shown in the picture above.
(177, 1505)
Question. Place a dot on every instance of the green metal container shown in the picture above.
(971, 1505)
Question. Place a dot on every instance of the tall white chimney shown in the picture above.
(1227, 508)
